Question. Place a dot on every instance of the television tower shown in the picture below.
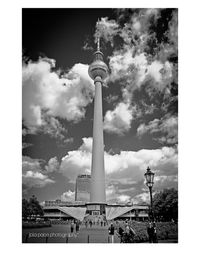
(98, 71)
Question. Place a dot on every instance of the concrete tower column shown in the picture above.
(97, 194)
(98, 71)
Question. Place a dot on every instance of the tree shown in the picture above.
(25, 209)
(36, 209)
(31, 208)
(165, 204)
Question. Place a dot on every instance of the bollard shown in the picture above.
(88, 239)
(108, 240)
(67, 239)
(46, 239)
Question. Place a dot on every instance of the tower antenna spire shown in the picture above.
(98, 36)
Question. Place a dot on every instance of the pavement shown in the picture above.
(62, 234)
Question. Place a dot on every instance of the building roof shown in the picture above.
(114, 212)
(75, 212)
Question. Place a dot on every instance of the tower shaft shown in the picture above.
(98, 172)
(98, 71)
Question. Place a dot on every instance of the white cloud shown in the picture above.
(135, 68)
(136, 25)
(53, 165)
(152, 127)
(124, 198)
(77, 161)
(133, 164)
(107, 29)
(119, 120)
(168, 126)
(51, 126)
(68, 196)
(140, 198)
(44, 91)
(125, 171)
(35, 179)
(33, 175)
(113, 195)
(111, 192)
(140, 66)
(162, 178)
(126, 165)
(154, 70)
(173, 30)
(29, 164)
(119, 64)
(87, 145)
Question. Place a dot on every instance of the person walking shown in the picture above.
(150, 231)
(90, 223)
(120, 234)
(129, 234)
(77, 227)
(111, 231)
(155, 239)
(86, 224)
(72, 227)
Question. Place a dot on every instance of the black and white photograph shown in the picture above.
(100, 125)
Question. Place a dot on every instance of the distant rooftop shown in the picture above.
(84, 176)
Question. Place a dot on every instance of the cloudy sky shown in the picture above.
(140, 100)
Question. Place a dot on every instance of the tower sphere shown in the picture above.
(98, 67)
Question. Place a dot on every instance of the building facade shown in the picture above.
(82, 189)
(79, 211)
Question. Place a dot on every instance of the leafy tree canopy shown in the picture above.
(165, 204)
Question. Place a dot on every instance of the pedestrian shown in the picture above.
(155, 239)
(111, 232)
(120, 234)
(129, 234)
(90, 223)
(72, 227)
(150, 231)
(86, 223)
(77, 227)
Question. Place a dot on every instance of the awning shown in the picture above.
(114, 212)
(75, 212)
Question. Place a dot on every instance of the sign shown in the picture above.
(95, 213)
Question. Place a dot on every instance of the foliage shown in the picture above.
(25, 209)
(31, 209)
(165, 205)
(36, 224)
(165, 230)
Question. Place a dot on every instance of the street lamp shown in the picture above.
(149, 176)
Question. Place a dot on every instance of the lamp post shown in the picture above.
(149, 176)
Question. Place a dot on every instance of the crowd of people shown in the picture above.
(123, 229)
(127, 233)
(74, 227)
(152, 232)
(90, 223)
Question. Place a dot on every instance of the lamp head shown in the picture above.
(149, 176)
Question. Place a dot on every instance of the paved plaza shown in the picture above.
(61, 234)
